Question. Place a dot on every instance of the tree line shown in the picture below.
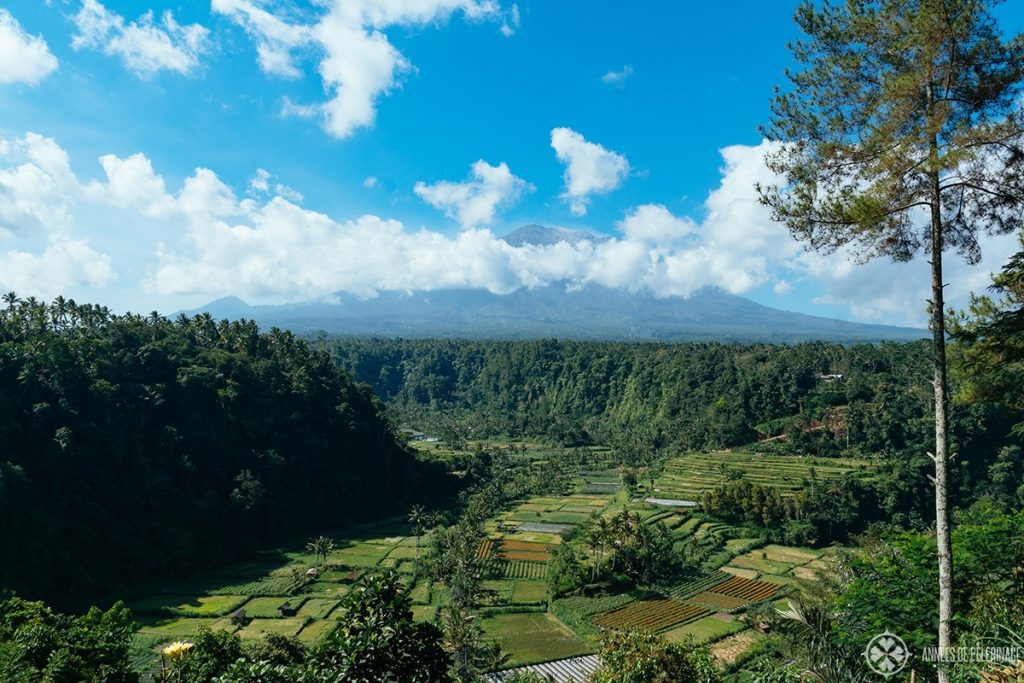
(135, 445)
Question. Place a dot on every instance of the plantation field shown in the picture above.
(651, 615)
(533, 637)
(689, 476)
(516, 556)
(704, 630)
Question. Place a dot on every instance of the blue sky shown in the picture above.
(337, 146)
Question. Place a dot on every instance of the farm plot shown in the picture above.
(718, 601)
(259, 628)
(520, 569)
(698, 584)
(485, 550)
(689, 476)
(532, 637)
(529, 592)
(651, 615)
(541, 528)
(317, 608)
(268, 608)
(524, 550)
(268, 585)
(754, 560)
(315, 631)
(188, 605)
(704, 630)
(748, 589)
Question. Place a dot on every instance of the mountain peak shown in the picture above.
(541, 235)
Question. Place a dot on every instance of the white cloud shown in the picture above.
(474, 202)
(370, 182)
(259, 185)
(655, 224)
(131, 183)
(23, 58)
(511, 22)
(590, 168)
(618, 78)
(37, 193)
(39, 255)
(266, 247)
(63, 264)
(275, 38)
(144, 46)
(359, 63)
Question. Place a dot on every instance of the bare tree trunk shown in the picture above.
(941, 457)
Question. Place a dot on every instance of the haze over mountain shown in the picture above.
(591, 312)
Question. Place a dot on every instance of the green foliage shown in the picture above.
(133, 445)
(212, 653)
(377, 639)
(37, 644)
(990, 336)
(565, 572)
(893, 577)
(643, 657)
(636, 397)
(896, 106)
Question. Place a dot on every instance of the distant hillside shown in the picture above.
(591, 313)
(588, 313)
(544, 236)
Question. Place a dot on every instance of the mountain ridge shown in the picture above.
(587, 313)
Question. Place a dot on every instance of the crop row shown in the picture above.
(699, 584)
(748, 589)
(527, 546)
(520, 569)
(486, 549)
(718, 601)
(268, 585)
(525, 556)
(651, 615)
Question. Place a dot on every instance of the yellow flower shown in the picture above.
(178, 649)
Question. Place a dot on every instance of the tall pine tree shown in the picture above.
(902, 133)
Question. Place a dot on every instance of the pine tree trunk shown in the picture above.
(942, 531)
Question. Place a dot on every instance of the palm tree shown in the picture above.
(417, 520)
(321, 547)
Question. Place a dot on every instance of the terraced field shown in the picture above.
(750, 590)
(689, 476)
(652, 615)
(698, 584)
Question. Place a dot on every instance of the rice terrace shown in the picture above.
(291, 593)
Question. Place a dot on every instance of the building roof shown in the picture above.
(576, 669)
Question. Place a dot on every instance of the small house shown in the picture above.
(287, 610)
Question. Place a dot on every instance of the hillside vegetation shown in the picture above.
(132, 446)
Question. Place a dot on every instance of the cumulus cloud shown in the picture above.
(589, 168)
(359, 63)
(39, 254)
(23, 58)
(64, 263)
(655, 224)
(265, 246)
(370, 182)
(475, 201)
(618, 78)
(37, 190)
(782, 288)
(144, 46)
